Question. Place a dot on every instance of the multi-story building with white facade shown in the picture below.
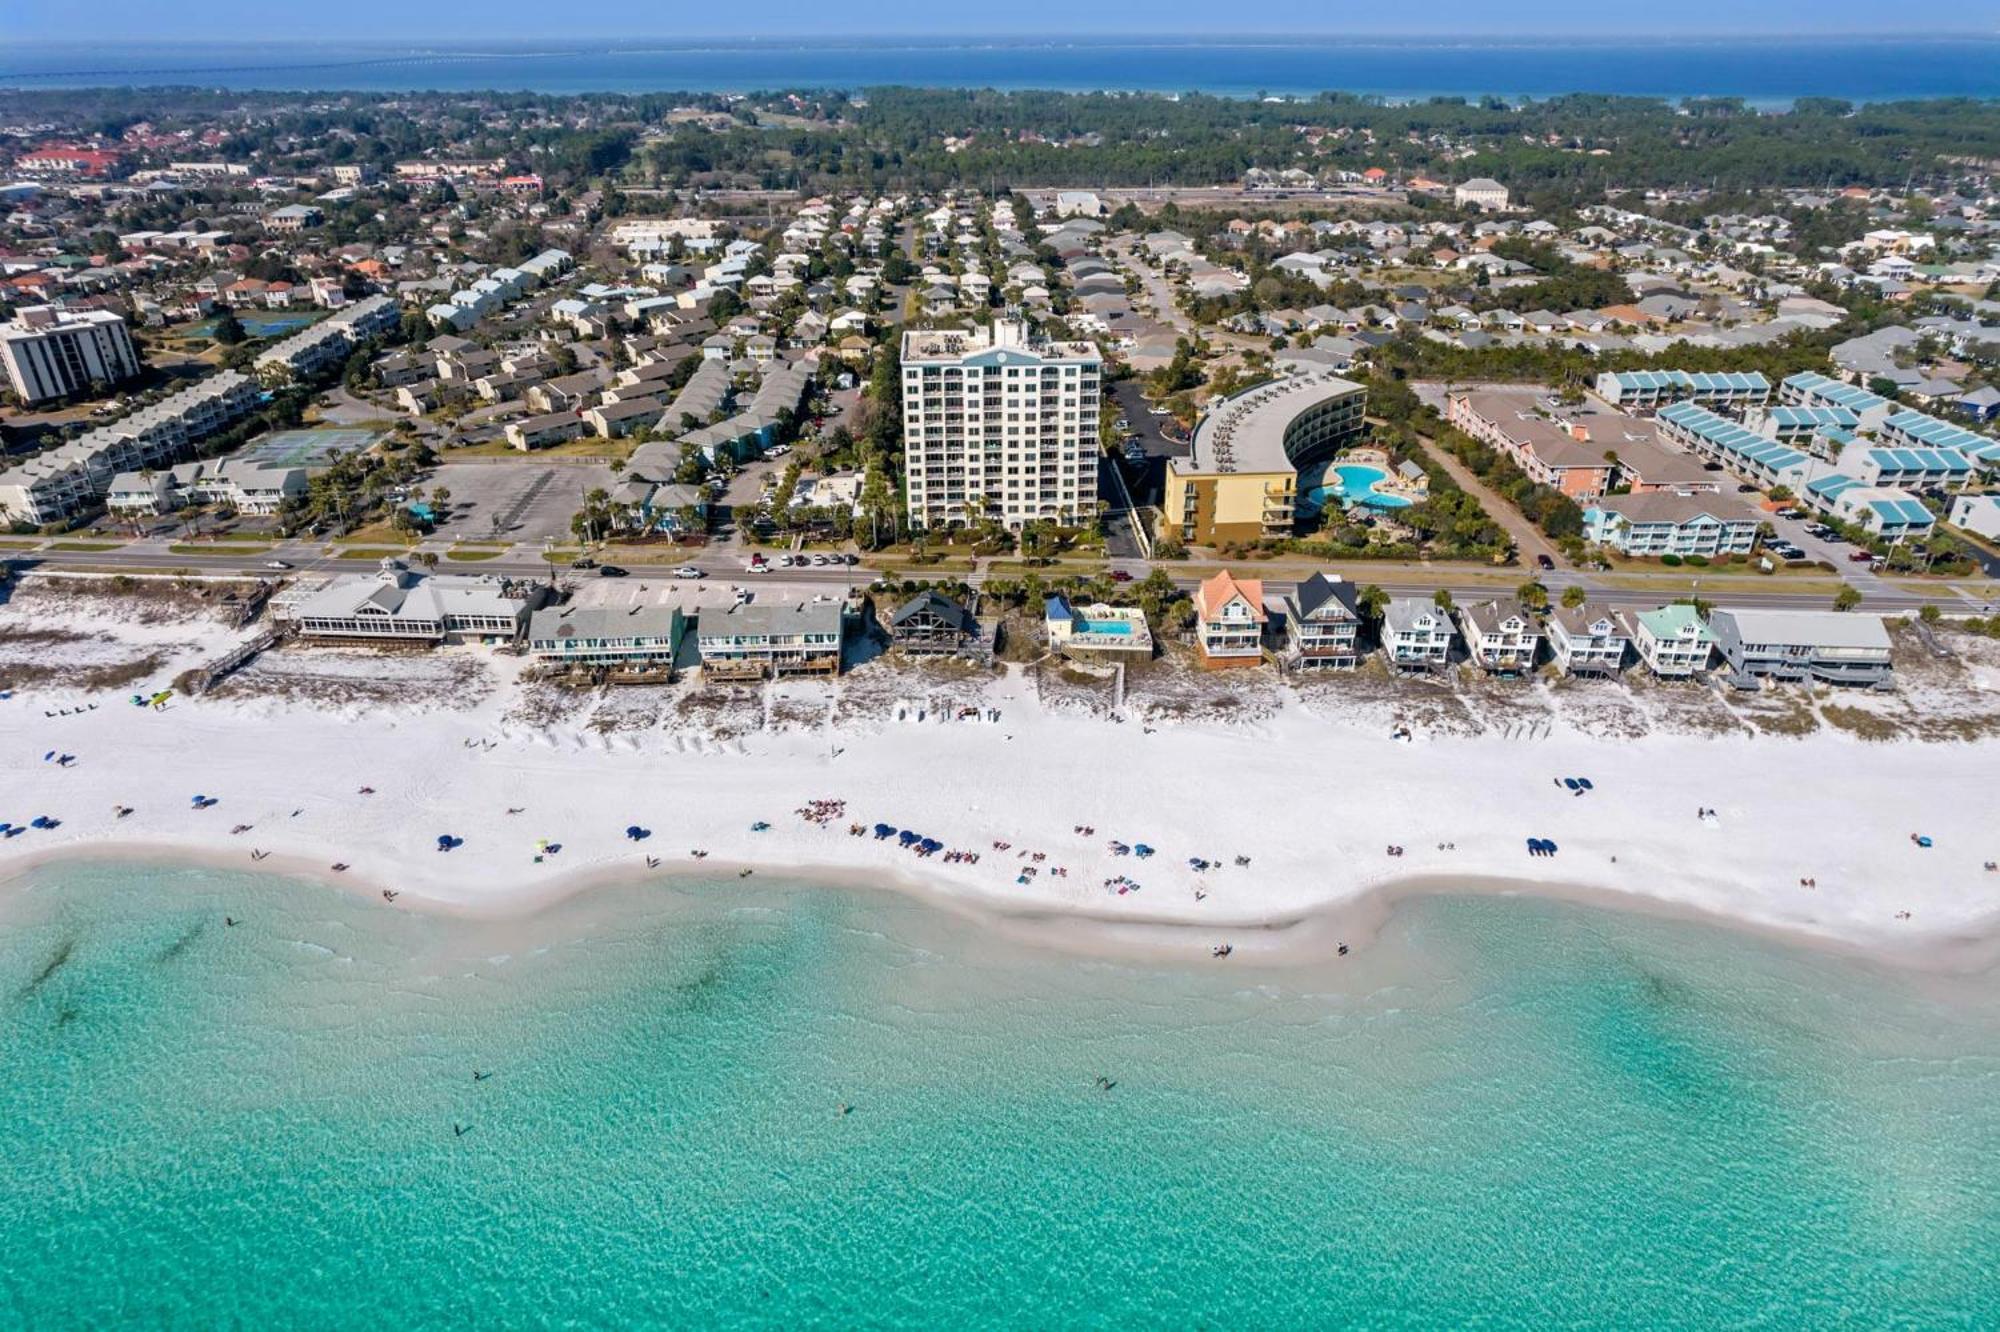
(1001, 423)
(51, 353)
(74, 477)
(329, 342)
(1665, 524)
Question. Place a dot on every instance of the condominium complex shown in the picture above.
(331, 340)
(1241, 480)
(999, 423)
(51, 353)
(74, 478)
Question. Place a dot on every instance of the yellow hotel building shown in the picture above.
(1240, 482)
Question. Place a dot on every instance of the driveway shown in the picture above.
(1527, 538)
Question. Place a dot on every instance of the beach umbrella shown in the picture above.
(931, 844)
(635, 832)
(906, 837)
(883, 830)
(444, 841)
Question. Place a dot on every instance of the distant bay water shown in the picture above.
(718, 1105)
(1764, 70)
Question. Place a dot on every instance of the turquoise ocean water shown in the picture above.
(1504, 1114)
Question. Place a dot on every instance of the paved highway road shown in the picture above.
(729, 567)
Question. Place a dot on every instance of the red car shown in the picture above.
(1862, 557)
(1120, 576)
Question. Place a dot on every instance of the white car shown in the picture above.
(759, 567)
(277, 564)
(689, 571)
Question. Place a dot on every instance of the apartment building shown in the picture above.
(1809, 388)
(1561, 456)
(769, 638)
(1799, 646)
(73, 478)
(1751, 456)
(246, 487)
(999, 423)
(1914, 430)
(1648, 390)
(53, 353)
(626, 639)
(326, 344)
(1661, 523)
(1240, 480)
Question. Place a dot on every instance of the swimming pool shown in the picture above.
(1351, 483)
(1119, 628)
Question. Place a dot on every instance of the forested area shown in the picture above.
(1551, 152)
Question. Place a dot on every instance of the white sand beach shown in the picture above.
(325, 756)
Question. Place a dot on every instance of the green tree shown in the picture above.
(1373, 601)
(1847, 598)
(1574, 596)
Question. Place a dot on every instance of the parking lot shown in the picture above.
(1146, 479)
(514, 501)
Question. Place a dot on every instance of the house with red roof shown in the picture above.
(1229, 621)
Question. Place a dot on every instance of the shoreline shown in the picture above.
(1275, 817)
(1308, 937)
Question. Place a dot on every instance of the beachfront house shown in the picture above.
(1500, 636)
(1673, 641)
(1416, 634)
(1229, 621)
(1096, 632)
(1588, 640)
(398, 604)
(622, 640)
(774, 637)
(1322, 625)
(932, 624)
(1798, 646)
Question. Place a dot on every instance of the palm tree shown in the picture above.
(1574, 596)
(1533, 595)
(1442, 600)
(1847, 598)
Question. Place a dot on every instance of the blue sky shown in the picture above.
(499, 19)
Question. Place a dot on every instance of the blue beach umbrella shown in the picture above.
(883, 830)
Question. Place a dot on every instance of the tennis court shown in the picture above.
(308, 448)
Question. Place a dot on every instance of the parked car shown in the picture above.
(1862, 557)
(850, 559)
(689, 571)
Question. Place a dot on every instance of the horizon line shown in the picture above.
(1192, 34)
